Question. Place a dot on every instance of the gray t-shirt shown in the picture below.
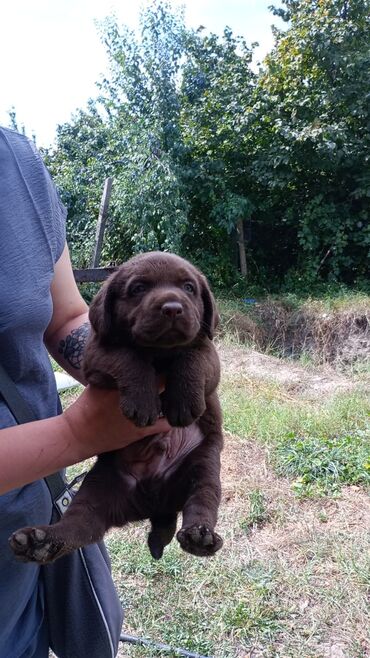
(32, 237)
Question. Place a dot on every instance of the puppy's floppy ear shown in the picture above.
(211, 316)
(101, 312)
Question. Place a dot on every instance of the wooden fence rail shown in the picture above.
(93, 274)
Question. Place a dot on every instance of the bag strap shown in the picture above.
(23, 413)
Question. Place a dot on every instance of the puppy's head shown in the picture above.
(154, 300)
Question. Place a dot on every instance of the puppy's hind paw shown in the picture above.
(155, 546)
(35, 545)
(199, 540)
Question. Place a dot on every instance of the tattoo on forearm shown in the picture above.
(73, 346)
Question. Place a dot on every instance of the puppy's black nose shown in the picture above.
(172, 309)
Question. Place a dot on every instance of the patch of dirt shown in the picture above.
(308, 382)
(340, 336)
(245, 468)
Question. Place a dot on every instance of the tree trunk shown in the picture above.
(241, 245)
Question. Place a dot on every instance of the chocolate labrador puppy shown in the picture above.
(155, 315)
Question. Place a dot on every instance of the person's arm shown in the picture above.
(67, 332)
(91, 425)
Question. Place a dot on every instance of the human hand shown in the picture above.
(98, 425)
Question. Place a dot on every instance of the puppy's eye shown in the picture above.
(188, 287)
(138, 288)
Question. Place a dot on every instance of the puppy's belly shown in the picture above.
(159, 456)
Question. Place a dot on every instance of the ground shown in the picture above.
(308, 382)
(317, 549)
(293, 576)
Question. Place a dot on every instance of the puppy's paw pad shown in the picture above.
(199, 540)
(19, 539)
(34, 545)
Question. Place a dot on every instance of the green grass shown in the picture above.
(321, 444)
(205, 606)
(281, 604)
(266, 413)
(258, 511)
(343, 299)
(321, 465)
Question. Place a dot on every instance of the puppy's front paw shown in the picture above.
(36, 545)
(142, 408)
(181, 412)
(199, 540)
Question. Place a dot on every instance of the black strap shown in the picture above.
(23, 413)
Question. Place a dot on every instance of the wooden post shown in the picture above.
(241, 245)
(100, 227)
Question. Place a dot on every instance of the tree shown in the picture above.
(267, 174)
(216, 90)
(130, 132)
(310, 136)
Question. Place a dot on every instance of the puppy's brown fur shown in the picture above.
(155, 315)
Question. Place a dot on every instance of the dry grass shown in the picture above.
(318, 552)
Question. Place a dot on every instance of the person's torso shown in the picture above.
(31, 240)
